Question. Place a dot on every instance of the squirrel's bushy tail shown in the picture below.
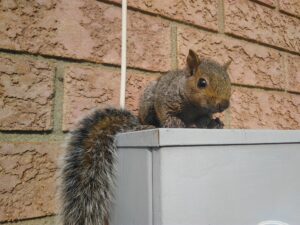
(87, 174)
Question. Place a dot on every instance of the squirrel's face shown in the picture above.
(208, 85)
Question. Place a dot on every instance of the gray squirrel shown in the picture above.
(180, 98)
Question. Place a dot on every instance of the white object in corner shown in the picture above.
(204, 177)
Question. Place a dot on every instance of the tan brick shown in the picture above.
(290, 6)
(136, 84)
(251, 64)
(254, 21)
(85, 29)
(87, 88)
(26, 94)
(28, 180)
(201, 13)
(293, 110)
(293, 72)
(260, 109)
(149, 43)
(271, 3)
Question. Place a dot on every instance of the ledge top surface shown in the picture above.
(197, 137)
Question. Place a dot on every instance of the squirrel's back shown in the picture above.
(88, 167)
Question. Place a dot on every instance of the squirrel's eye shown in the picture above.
(202, 83)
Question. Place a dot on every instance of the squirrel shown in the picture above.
(181, 98)
(189, 97)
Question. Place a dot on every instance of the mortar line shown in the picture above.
(257, 87)
(277, 7)
(221, 17)
(131, 68)
(293, 92)
(30, 220)
(289, 14)
(264, 4)
(242, 40)
(264, 88)
(57, 60)
(255, 42)
(58, 99)
(153, 14)
(46, 56)
(30, 137)
(83, 63)
(113, 68)
(285, 71)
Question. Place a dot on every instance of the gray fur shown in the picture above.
(87, 175)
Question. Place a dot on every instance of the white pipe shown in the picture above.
(123, 54)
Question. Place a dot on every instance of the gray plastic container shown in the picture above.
(208, 177)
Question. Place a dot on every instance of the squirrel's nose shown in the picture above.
(224, 104)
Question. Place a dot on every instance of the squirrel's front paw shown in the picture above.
(216, 124)
(203, 122)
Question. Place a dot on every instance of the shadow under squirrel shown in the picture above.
(181, 98)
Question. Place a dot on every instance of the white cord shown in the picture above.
(123, 54)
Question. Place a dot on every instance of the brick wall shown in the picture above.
(60, 58)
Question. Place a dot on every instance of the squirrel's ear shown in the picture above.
(227, 64)
(192, 61)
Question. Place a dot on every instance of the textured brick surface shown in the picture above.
(90, 30)
(49, 220)
(88, 87)
(148, 43)
(251, 64)
(201, 13)
(271, 3)
(86, 29)
(26, 94)
(290, 6)
(250, 20)
(27, 177)
(253, 108)
(293, 71)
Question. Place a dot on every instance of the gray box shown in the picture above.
(208, 177)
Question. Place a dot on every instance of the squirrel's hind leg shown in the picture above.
(147, 114)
